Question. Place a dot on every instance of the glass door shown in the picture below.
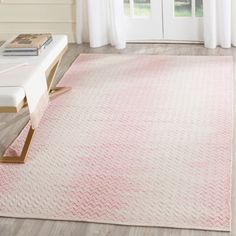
(155, 20)
(143, 20)
(183, 20)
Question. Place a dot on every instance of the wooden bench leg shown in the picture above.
(52, 93)
(22, 158)
(58, 91)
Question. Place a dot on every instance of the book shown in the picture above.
(31, 51)
(28, 41)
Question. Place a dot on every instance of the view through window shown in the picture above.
(184, 8)
(140, 8)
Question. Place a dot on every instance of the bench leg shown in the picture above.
(58, 91)
(52, 93)
(22, 158)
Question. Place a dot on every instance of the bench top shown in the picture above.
(12, 96)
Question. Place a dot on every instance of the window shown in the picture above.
(187, 8)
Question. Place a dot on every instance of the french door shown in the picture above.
(143, 19)
(154, 20)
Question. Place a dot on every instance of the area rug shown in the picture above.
(140, 140)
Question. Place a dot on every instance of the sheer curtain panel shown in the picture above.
(100, 22)
(219, 23)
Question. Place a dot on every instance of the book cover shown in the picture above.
(26, 51)
(29, 41)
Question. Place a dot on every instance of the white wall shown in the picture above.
(36, 16)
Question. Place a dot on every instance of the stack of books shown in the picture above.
(27, 45)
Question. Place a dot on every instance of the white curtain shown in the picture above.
(219, 23)
(100, 22)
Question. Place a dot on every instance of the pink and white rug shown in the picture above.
(140, 140)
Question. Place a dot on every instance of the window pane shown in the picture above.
(127, 7)
(199, 8)
(142, 8)
(183, 8)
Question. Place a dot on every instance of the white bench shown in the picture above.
(13, 99)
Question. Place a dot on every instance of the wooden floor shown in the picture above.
(10, 125)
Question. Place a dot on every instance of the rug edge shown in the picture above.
(218, 229)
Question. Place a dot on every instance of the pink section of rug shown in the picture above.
(140, 140)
